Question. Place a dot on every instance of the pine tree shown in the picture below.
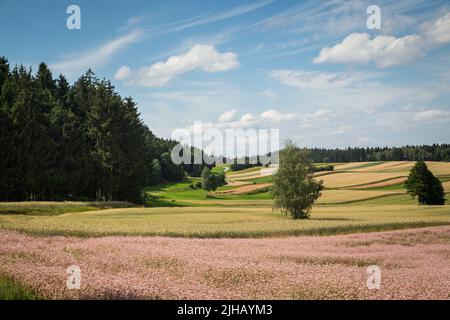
(131, 168)
(170, 171)
(6, 136)
(155, 174)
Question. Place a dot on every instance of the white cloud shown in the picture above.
(430, 115)
(247, 117)
(97, 57)
(384, 51)
(228, 116)
(275, 116)
(200, 57)
(266, 119)
(322, 114)
(317, 80)
(123, 73)
(438, 32)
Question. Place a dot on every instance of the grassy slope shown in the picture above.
(265, 179)
(13, 290)
(57, 208)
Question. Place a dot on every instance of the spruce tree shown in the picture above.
(421, 183)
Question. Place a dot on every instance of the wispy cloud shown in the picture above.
(268, 119)
(228, 116)
(237, 11)
(97, 56)
(431, 115)
(318, 80)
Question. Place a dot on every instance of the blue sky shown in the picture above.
(311, 69)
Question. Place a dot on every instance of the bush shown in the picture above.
(212, 181)
(323, 168)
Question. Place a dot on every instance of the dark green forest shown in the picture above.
(81, 141)
(435, 152)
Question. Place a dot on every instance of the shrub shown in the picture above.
(323, 168)
(212, 181)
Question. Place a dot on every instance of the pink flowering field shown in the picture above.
(415, 264)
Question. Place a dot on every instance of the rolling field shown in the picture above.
(187, 243)
(353, 179)
(227, 222)
(381, 176)
(56, 208)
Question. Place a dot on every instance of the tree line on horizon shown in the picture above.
(76, 142)
(435, 152)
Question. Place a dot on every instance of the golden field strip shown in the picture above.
(352, 179)
(227, 222)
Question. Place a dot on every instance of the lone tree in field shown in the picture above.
(294, 189)
(421, 183)
(208, 182)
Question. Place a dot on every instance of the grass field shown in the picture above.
(13, 290)
(219, 222)
(358, 198)
(56, 208)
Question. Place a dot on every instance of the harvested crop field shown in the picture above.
(353, 179)
(446, 186)
(245, 189)
(349, 165)
(415, 264)
(345, 196)
(383, 166)
(228, 222)
(386, 183)
(438, 168)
